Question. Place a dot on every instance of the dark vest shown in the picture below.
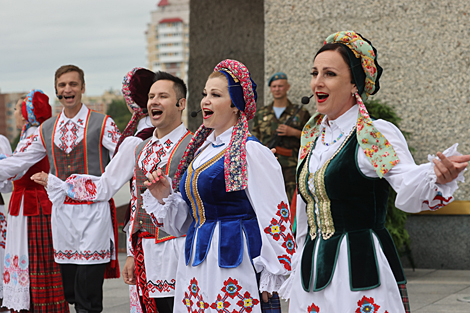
(142, 221)
(358, 207)
(83, 158)
(203, 189)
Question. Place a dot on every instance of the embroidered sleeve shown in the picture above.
(118, 172)
(267, 195)
(111, 136)
(20, 162)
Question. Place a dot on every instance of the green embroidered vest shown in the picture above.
(349, 205)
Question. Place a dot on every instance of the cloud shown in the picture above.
(105, 38)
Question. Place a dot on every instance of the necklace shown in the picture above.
(331, 143)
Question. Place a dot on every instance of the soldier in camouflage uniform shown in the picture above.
(270, 120)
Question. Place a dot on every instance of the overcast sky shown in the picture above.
(106, 38)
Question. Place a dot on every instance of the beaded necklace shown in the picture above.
(331, 143)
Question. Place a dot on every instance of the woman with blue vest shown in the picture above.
(231, 204)
(346, 260)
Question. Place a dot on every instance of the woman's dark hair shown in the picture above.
(358, 77)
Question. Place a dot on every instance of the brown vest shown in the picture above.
(142, 221)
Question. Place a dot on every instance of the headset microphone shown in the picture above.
(58, 96)
(306, 100)
(194, 113)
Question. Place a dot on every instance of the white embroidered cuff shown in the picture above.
(270, 282)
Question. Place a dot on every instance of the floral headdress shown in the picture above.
(135, 88)
(243, 95)
(35, 109)
(376, 147)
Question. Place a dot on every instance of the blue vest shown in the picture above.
(203, 189)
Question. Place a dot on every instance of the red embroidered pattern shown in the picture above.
(231, 291)
(68, 136)
(114, 133)
(28, 143)
(443, 202)
(278, 230)
(161, 285)
(85, 255)
(313, 309)
(367, 305)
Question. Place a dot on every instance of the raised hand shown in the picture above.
(158, 185)
(447, 169)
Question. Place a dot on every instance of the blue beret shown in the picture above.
(278, 75)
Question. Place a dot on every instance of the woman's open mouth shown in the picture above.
(207, 113)
(321, 97)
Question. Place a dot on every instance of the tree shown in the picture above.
(119, 111)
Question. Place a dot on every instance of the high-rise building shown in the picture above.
(168, 38)
(7, 119)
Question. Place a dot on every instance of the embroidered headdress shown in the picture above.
(366, 73)
(35, 109)
(135, 88)
(242, 91)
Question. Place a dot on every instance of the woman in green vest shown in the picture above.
(346, 260)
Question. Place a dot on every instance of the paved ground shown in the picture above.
(430, 291)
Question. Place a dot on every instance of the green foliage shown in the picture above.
(119, 111)
(396, 219)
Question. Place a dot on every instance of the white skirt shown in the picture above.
(337, 297)
(16, 285)
(214, 288)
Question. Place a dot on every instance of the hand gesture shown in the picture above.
(158, 185)
(40, 178)
(447, 169)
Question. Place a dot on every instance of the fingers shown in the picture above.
(447, 169)
(155, 177)
(265, 296)
(40, 178)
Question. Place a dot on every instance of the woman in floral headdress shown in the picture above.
(346, 261)
(231, 202)
(31, 278)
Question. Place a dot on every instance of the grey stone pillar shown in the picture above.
(222, 29)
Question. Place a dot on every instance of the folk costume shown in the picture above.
(233, 207)
(347, 261)
(83, 233)
(5, 187)
(156, 253)
(31, 278)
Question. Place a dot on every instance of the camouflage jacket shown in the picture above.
(265, 124)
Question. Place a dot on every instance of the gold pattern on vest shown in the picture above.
(196, 202)
(324, 218)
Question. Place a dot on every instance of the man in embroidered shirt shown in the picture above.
(152, 254)
(76, 141)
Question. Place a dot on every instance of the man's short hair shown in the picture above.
(69, 68)
(179, 86)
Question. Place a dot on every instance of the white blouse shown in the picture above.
(265, 192)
